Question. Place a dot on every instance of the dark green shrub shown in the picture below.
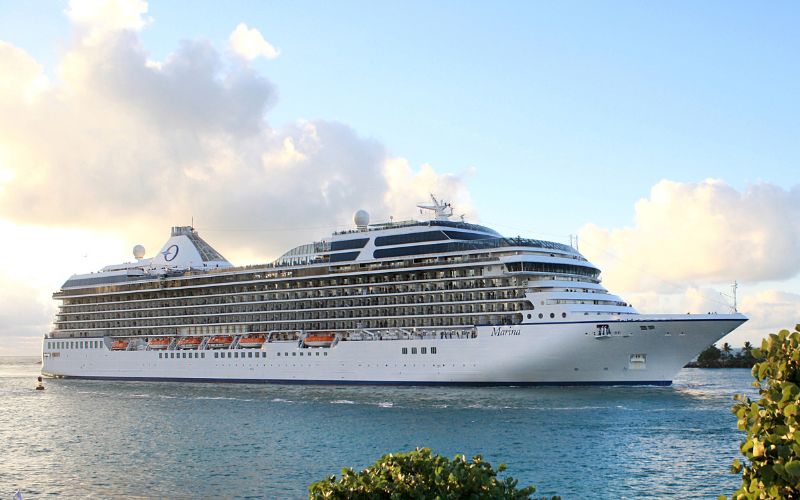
(772, 443)
(421, 474)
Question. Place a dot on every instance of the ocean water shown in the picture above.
(137, 439)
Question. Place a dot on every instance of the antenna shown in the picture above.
(441, 210)
(734, 287)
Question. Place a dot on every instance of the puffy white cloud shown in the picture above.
(250, 44)
(406, 187)
(703, 233)
(100, 17)
(21, 77)
(690, 241)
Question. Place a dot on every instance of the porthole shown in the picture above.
(529, 316)
(541, 316)
(552, 315)
(563, 315)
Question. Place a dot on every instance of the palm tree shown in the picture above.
(748, 346)
(726, 348)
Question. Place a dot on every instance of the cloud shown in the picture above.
(250, 44)
(690, 241)
(407, 187)
(97, 18)
(118, 138)
(21, 77)
(706, 232)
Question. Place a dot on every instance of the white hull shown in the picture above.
(545, 353)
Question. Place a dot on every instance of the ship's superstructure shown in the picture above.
(415, 302)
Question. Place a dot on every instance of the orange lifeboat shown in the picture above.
(159, 343)
(252, 341)
(319, 340)
(119, 345)
(220, 342)
(189, 343)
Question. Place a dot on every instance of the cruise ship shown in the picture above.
(429, 302)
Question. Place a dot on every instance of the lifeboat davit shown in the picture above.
(252, 341)
(220, 342)
(189, 343)
(319, 340)
(119, 345)
(160, 343)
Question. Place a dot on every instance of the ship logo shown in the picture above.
(170, 253)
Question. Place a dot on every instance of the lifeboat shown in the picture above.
(189, 343)
(159, 343)
(319, 340)
(252, 341)
(119, 345)
(220, 342)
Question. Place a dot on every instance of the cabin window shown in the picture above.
(159, 355)
(236, 355)
(317, 353)
(325, 354)
(229, 355)
(249, 354)
(294, 354)
(405, 350)
(413, 350)
(216, 354)
(203, 355)
(278, 353)
(433, 350)
(423, 350)
(183, 355)
(172, 355)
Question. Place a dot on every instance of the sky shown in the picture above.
(664, 135)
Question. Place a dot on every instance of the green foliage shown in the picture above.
(709, 357)
(772, 441)
(421, 474)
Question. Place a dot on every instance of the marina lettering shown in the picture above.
(499, 331)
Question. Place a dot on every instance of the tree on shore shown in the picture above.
(710, 357)
(421, 474)
(726, 348)
(772, 441)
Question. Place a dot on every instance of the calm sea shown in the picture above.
(113, 439)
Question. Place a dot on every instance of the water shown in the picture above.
(111, 439)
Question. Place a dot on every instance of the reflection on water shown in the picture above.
(100, 438)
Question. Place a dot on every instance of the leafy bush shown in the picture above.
(772, 441)
(421, 474)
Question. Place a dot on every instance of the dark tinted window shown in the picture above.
(344, 256)
(399, 239)
(459, 235)
(349, 244)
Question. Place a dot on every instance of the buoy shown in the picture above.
(39, 384)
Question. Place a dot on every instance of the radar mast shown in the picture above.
(441, 210)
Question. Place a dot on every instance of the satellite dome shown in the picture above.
(361, 219)
(138, 252)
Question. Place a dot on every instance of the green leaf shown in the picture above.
(793, 468)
